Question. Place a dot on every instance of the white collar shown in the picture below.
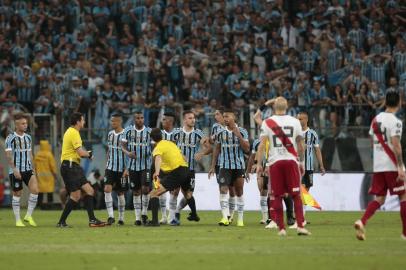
(143, 127)
(170, 132)
(226, 128)
(187, 132)
(21, 136)
(115, 133)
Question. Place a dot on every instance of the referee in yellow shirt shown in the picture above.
(73, 175)
(172, 170)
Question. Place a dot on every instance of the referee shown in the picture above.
(173, 171)
(73, 175)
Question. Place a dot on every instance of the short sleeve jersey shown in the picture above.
(170, 154)
(71, 142)
(389, 126)
(292, 129)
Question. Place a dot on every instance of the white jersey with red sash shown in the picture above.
(383, 127)
(282, 131)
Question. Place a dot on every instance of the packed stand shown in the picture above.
(333, 58)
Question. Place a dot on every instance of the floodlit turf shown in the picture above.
(202, 245)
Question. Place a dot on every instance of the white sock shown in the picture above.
(224, 205)
(32, 202)
(182, 204)
(173, 201)
(162, 203)
(231, 205)
(109, 204)
(121, 207)
(137, 207)
(145, 202)
(240, 208)
(264, 207)
(16, 207)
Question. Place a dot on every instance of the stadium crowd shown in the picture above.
(335, 58)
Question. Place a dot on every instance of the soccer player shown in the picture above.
(172, 170)
(312, 144)
(137, 146)
(311, 141)
(231, 143)
(113, 176)
(188, 139)
(261, 181)
(21, 169)
(73, 175)
(389, 170)
(168, 129)
(284, 134)
(219, 125)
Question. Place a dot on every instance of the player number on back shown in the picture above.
(285, 133)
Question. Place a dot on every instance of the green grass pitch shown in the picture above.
(202, 245)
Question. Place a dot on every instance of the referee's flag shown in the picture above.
(308, 199)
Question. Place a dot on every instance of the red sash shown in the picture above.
(381, 140)
(278, 131)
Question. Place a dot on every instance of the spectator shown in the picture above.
(122, 44)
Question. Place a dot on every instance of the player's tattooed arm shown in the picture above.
(300, 148)
(216, 153)
(301, 153)
(397, 147)
(10, 161)
(206, 149)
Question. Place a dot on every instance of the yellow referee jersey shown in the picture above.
(71, 142)
(171, 156)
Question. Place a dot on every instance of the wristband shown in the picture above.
(90, 154)
(263, 108)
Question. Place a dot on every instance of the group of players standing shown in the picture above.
(285, 147)
(130, 155)
(130, 165)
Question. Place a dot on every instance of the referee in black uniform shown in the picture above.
(73, 175)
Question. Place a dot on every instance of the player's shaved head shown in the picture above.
(281, 105)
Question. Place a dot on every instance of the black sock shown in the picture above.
(70, 205)
(50, 198)
(268, 202)
(89, 205)
(183, 202)
(192, 204)
(289, 207)
(154, 204)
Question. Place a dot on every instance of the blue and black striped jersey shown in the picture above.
(214, 130)
(231, 154)
(188, 143)
(168, 136)
(115, 156)
(21, 147)
(138, 142)
(311, 140)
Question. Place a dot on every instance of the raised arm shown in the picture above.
(216, 153)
